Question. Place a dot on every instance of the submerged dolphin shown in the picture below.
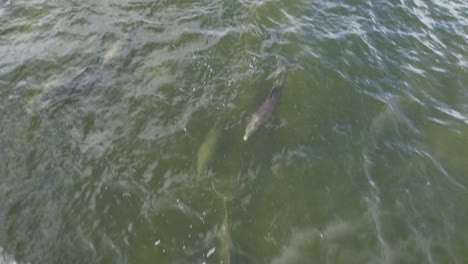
(64, 83)
(265, 110)
(208, 148)
(121, 43)
(227, 190)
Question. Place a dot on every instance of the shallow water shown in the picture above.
(363, 161)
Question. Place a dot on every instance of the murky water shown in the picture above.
(122, 124)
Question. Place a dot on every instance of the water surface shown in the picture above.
(363, 161)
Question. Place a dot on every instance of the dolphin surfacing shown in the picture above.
(265, 110)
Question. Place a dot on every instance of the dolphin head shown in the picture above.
(253, 125)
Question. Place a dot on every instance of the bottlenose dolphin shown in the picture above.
(208, 148)
(123, 42)
(65, 83)
(60, 85)
(264, 111)
(227, 190)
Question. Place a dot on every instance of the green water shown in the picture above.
(365, 160)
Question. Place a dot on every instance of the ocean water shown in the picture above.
(105, 107)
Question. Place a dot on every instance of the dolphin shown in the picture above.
(264, 111)
(227, 190)
(208, 148)
(65, 83)
(121, 43)
(60, 85)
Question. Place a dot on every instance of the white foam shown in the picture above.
(5, 258)
(210, 252)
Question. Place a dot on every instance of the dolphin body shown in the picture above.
(123, 42)
(65, 83)
(207, 149)
(264, 111)
(61, 85)
(227, 190)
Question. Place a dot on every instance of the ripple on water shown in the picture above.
(363, 161)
